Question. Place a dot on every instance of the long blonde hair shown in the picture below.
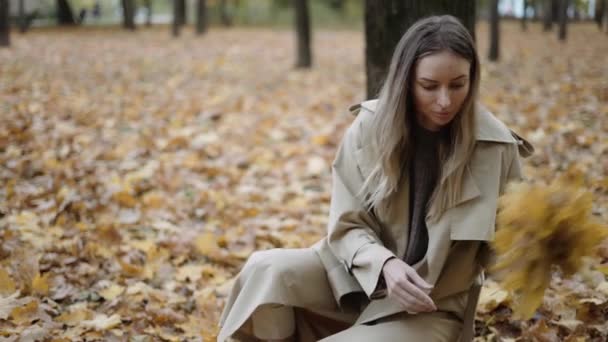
(391, 128)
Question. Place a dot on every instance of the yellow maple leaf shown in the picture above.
(206, 244)
(130, 270)
(112, 291)
(75, 316)
(40, 284)
(125, 199)
(25, 313)
(321, 140)
(153, 199)
(7, 285)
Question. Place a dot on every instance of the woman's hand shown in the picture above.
(406, 286)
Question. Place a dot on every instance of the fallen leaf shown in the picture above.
(102, 322)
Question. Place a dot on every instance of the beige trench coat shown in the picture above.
(359, 243)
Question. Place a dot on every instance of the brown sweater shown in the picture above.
(423, 173)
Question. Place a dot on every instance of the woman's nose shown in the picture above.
(443, 99)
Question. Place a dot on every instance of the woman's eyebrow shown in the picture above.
(430, 80)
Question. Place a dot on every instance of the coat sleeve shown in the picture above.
(353, 232)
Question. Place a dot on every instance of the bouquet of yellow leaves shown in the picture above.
(539, 227)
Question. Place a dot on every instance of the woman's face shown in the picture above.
(441, 84)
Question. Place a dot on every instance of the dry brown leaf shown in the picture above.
(102, 322)
(9, 303)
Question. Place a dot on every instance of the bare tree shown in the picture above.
(563, 19)
(179, 16)
(524, 16)
(547, 15)
(303, 34)
(599, 12)
(5, 38)
(128, 14)
(224, 16)
(386, 21)
(201, 17)
(494, 31)
(22, 17)
(605, 16)
(181, 12)
(65, 15)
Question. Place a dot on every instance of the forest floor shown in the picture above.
(140, 171)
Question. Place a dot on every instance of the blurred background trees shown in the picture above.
(382, 27)
(323, 13)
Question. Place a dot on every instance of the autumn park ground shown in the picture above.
(140, 171)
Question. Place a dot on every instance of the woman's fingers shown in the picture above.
(410, 304)
(410, 289)
(402, 287)
(397, 292)
(418, 281)
(417, 294)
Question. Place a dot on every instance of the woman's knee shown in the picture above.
(262, 260)
(281, 261)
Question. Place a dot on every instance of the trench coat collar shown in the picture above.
(488, 127)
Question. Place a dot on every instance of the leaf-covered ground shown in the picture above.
(138, 171)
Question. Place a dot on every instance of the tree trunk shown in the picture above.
(563, 19)
(303, 34)
(224, 16)
(555, 11)
(201, 17)
(524, 16)
(22, 17)
(537, 5)
(148, 5)
(65, 15)
(182, 15)
(5, 38)
(337, 5)
(128, 14)
(177, 21)
(598, 12)
(605, 16)
(494, 31)
(547, 16)
(386, 21)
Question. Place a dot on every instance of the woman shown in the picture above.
(416, 181)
